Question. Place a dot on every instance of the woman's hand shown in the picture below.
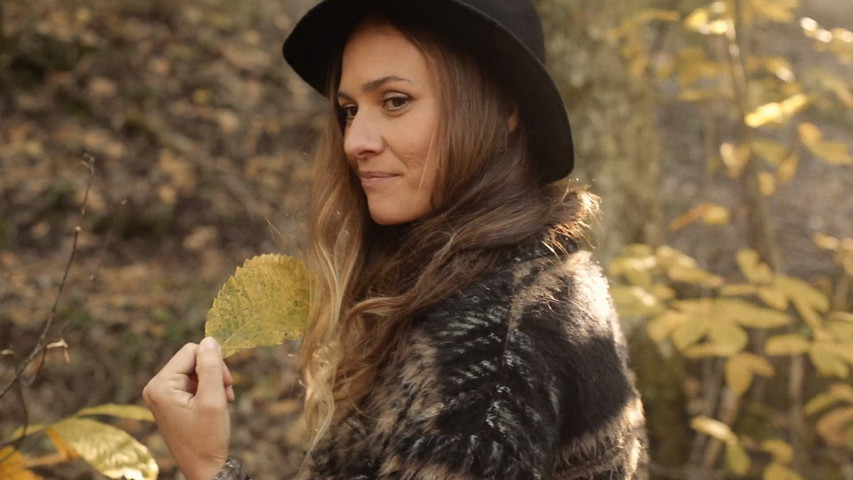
(189, 398)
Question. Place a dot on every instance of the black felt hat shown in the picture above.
(505, 35)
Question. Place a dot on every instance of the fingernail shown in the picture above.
(208, 343)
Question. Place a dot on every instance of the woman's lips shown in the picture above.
(375, 179)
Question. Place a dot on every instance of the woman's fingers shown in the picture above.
(211, 374)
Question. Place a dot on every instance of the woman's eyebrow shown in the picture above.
(374, 85)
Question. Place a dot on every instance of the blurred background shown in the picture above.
(148, 147)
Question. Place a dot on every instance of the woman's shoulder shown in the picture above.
(549, 278)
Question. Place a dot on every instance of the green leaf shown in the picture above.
(130, 412)
(787, 344)
(264, 303)
(112, 452)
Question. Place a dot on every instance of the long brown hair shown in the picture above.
(369, 280)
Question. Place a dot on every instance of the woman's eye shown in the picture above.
(396, 103)
(348, 112)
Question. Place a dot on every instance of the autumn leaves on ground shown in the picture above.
(162, 143)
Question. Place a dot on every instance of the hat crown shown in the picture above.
(518, 17)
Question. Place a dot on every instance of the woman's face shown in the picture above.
(389, 100)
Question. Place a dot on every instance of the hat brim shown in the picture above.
(316, 43)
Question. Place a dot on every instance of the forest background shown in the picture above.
(148, 147)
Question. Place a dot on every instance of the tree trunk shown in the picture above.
(612, 115)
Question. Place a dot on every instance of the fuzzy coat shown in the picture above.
(523, 375)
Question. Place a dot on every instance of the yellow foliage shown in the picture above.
(835, 153)
(833, 427)
(661, 327)
(755, 271)
(130, 412)
(737, 459)
(776, 10)
(825, 358)
(787, 344)
(109, 450)
(13, 466)
(781, 450)
(777, 112)
(264, 303)
(777, 471)
(741, 368)
(713, 428)
(711, 20)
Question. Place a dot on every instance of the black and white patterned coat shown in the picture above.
(523, 375)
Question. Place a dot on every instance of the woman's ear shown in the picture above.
(512, 121)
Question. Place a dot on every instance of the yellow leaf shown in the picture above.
(754, 270)
(728, 334)
(841, 331)
(716, 215)
(809, 134)
(766, 183)
(736, 458)
(711, 350)
(688, 333)
(741, 368)
(264, 303)
(709, 21)
(833, 426)
(797, 289)
(787, 344)
(63, 448)
(734, 158)
(773, 152)
(777, 112)
(683, 272)
(738, 375)
(827, 362)
(713, 428)
(781, 450)
(773, 298)
(777, 471)
(833, 153)
(787, 169)
(826, 242)
(109, 450)
(808, 314)
(738, 290)
(776, 10)
(749, 315)
(130, 412)
(663, 325)
(635, 301)
(13, 466)
(820, 402)
(842, 391)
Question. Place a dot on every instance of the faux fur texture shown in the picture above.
(523, 375)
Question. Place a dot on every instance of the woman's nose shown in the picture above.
(362, 137)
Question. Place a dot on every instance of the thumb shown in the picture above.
(208, 369)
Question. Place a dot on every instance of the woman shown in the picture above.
(457, 331)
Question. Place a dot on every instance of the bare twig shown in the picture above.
(39, 348)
